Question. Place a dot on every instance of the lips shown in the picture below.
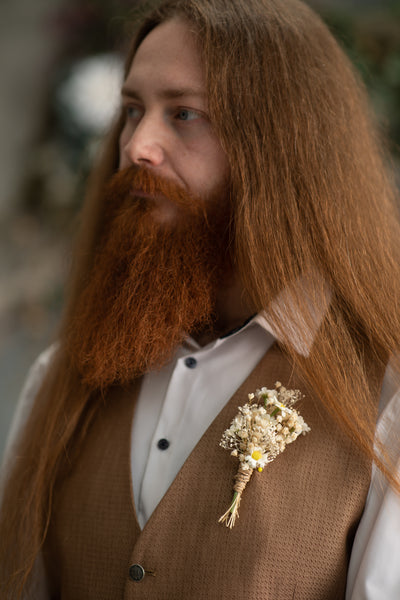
(138, 193)
(141, 193)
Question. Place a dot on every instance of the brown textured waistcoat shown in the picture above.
(292, 540)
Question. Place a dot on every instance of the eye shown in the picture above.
(185, 114)
(133, 112)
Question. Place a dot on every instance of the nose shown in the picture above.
(145, 144)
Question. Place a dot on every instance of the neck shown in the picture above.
(233, 308)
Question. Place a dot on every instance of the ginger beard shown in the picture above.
(152, 282)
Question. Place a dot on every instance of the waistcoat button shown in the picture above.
(136, 572)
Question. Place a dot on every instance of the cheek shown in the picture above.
(122, 142)
(211, 166)
(223, 164)
(218, 168)
(218, 157)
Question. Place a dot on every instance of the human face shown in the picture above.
(167, 128)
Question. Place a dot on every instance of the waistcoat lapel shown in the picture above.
(292, 540)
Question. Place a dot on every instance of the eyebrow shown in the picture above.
(166, 94)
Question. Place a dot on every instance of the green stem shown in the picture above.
(235, 495)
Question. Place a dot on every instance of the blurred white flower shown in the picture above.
(91, 94)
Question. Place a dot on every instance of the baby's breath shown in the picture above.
(259, 432)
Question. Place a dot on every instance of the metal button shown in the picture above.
(136, 573)
(190, 362)
(163, 444)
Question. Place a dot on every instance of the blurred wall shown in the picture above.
(28, 256)
(27, 48)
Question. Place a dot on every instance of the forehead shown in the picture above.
(168, 54)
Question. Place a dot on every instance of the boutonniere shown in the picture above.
(260, 431)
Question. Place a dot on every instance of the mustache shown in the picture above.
(140, 184)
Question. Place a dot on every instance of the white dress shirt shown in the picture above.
(177, 404)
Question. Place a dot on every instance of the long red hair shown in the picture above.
(312, 193)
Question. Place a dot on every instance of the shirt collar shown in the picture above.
(300, 332)
(314, 293)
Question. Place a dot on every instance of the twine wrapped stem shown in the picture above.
(260, 431)
(242, 477)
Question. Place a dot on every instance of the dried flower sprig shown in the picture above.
(260, 431)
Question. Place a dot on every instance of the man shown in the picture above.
(240, 230)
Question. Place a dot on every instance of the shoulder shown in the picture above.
(388, 424)
(374, 558)
(27, 397)
(25, 403)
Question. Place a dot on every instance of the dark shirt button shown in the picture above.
(190, 362)
(136, 572)
(163, 444)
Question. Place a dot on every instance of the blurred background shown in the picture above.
(61, 68)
